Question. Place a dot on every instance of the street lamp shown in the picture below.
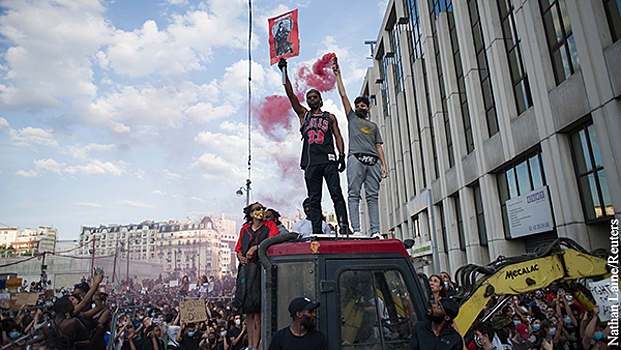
(241, 190)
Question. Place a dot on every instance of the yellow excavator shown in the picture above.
(562, 261)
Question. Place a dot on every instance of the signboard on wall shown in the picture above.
(530, 213)
(421, 249)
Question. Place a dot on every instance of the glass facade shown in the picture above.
(513, 45)
(560, 39)
(613, 15)
(519, 178)
(592, 183)
(478, 206)
(486, 83)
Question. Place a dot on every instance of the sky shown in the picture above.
(117, 112)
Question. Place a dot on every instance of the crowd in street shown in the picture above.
(549, 318)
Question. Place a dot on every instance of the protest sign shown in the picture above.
(173, 283)
(21, 301)
(32, 299)
(192, 310)
(605, 297)
(284, 37)
(13, 283)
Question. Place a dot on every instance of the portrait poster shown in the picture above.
(284, 36)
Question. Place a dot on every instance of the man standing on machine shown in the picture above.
(318, 158)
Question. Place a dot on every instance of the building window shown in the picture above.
(443, 226)
(560, 39)
(483, 65)
(592, 183)
(613, 10)
(513, 45)
(522, 177)
(478, 206)
(460, 222)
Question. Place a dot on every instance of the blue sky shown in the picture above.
(130, 110)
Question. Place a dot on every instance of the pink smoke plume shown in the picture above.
(319, 76)
(274, 112)
(275, 115)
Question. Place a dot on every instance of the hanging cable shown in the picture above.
(248, 182)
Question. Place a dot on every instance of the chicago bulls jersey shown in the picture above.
(318, 145)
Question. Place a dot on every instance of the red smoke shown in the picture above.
(319, 77)
(275, 113)
(276, 117)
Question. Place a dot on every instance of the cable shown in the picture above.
(249, 102)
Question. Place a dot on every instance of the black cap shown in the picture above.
(450, 307)
(313, 91)
(302, 303)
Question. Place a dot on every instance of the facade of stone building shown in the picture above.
(502, 125)
(192, 248)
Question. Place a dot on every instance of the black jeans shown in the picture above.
(314, 175)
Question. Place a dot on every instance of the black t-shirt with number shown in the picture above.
(285, 340)
(318, 142)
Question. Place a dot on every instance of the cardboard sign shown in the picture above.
(13, 283)
(49, 293)
(21, 301)
(605, 295)
(284, 37)
(5, 303)
(32, 299)
(192, 310)
(173, 283)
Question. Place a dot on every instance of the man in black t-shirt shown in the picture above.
(301, 335)
(236, 334)
(189, 337)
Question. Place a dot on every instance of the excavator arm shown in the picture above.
(527, 274)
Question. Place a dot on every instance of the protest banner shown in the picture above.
(13, 283)
(605, 297)
(21, 301)
(192, 310)
(32, 299)
(284, 37)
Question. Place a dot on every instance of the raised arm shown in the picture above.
(87, 298)
(340, 145)
(339, 82)
(295, 103)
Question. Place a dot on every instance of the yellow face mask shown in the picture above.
(258, 213)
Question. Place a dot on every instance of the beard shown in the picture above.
(308, 322)
(433, 318)
(314, 105)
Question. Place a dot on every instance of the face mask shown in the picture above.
(140, 317)
(93, 305)
(258, 214)
(516, 322)
(152, 314)
(191, 333)
(446, 284)
(15, 335)
(223, 334)
(211, 340)
(49, 304)
(479, 341)
(567, 320)
(361, 112)
(569, 297)
(237, 322)
(536, 326)
(552, 331)
(596, 336)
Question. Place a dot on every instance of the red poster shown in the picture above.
(284, 36)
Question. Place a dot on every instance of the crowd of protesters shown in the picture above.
(548, 319)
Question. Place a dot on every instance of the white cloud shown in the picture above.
(51, 43)
(158, 192)
(177, 2)
(48, 165)
(3, 123)
(30, 173)
(92, 205)
(198, 199)
(170, 175)
(96, 167)
(215, 167)
(135, 204)
(185, 45)
(204, 112)
(27, 137)
(81, 152)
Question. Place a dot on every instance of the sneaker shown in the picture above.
(377, 235)
(358, 233)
